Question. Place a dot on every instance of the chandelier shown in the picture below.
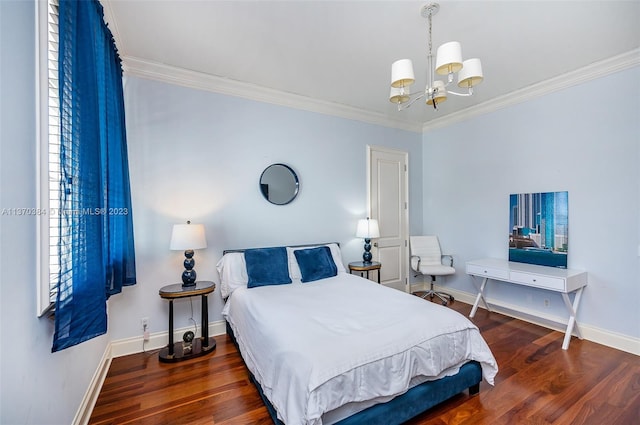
(448, 62)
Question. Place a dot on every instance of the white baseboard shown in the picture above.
(89, 400)
(123, 347)
(591, 333)
(419, 286)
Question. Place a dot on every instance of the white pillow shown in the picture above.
(294, 269)
(233, 273)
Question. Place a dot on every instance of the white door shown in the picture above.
(388, 193)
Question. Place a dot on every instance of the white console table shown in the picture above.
(554, 279)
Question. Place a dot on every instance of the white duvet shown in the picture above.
(316, 346)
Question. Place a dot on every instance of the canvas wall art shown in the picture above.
(538, 228)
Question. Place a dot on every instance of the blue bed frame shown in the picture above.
(405, 406)
(400, 409)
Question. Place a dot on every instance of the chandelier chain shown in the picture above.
(430, 44)
(430, 92)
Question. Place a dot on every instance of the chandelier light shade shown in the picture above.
(440, 94)
(449, 58)
(471, 73)
(448, 62)
(402, 73)
(397, 95)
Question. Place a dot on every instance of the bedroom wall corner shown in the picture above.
(556, 142)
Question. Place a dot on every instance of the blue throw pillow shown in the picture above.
(315, 263)
(267, 266)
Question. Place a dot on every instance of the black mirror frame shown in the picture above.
(295, 177)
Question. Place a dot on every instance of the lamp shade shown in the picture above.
(188, 236)
(367, 229)
(471, 73)
(402, 73)
(399, 95)
(440, 96)
(449, 58)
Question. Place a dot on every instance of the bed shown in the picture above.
(327, 347)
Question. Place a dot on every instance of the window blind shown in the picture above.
(53, 100)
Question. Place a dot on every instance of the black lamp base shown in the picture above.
(189, 278)
(366, 255)
(189, 275)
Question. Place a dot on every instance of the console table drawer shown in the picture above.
(546, 282)
(490, 272)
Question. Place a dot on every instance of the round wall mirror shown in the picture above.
(279, 184)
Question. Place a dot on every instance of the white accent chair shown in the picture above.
(427, 259)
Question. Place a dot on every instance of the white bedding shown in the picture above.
(316, 346)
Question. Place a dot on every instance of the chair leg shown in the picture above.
(443, 296)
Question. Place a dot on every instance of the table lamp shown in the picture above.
(367, 229)
(188, 237)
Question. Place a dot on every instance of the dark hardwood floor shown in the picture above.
(538, 383)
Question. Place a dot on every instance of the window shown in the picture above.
(48, 153)
(86, 228)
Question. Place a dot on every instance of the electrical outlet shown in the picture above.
(546, 303)
(145, 328)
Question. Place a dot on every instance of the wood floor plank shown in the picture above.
(538, 383)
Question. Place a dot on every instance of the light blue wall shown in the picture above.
(36, 387)
(584, 139)
(198, 155)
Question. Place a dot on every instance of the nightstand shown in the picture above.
(175, 352)
(361, 266)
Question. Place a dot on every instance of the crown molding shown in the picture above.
(173, 75)
(599, 69)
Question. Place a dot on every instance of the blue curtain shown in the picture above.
(97, 247)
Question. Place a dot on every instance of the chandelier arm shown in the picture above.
(469, 93)
(403, 106)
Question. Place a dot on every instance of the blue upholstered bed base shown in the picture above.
(406, 406)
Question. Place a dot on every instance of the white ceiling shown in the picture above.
(339, 53)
